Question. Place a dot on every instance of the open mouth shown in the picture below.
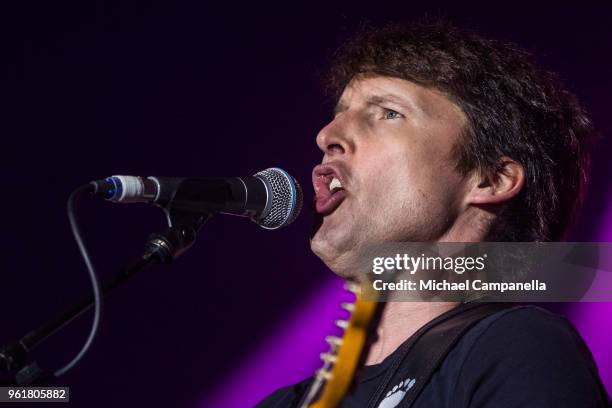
(329, 185)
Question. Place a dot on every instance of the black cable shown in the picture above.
(97, 293)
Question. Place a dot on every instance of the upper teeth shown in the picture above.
(335, 183)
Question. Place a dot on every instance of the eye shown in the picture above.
(390, 114)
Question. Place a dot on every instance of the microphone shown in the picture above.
(272, 198)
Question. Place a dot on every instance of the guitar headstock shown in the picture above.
(334, 378)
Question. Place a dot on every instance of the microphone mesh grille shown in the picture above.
(286, 198)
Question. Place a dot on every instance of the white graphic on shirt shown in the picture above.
(395, 396)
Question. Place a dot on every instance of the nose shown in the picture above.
(334, 140)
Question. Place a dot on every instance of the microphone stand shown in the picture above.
(160, 249)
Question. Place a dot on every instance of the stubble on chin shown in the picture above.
(338, 249)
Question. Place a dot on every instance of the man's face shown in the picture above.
(390, 147)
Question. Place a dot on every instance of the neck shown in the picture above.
(399, 321)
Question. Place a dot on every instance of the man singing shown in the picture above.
(440, 135)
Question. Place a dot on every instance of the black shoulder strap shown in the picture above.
(419, 357)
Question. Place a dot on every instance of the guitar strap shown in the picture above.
(419, 357)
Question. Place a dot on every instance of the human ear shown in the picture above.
(498, 187)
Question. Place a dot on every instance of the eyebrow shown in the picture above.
(380, 99)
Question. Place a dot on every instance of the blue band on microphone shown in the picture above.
(117, 190)
(293, 192)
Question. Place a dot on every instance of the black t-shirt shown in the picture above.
(519, 357)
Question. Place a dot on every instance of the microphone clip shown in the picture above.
(177, 239)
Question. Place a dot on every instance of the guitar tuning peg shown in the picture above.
(326, 375)
(333, 340)
(328, 358)
(351, 287)
(343, 324)
(349, 307)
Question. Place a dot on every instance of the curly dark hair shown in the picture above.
(514, 108)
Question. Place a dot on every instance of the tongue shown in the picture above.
(326, 204)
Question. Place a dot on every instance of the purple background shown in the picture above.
(99, 88)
